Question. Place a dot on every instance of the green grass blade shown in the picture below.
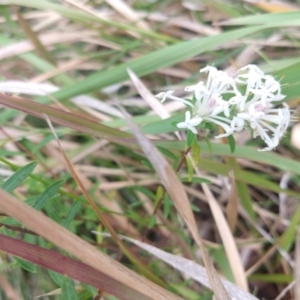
(151, 62)
(16, 179)
(48, 193)
(72, 213)
(267, 158)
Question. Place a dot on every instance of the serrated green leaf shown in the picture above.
(17, 178)
(48, 193)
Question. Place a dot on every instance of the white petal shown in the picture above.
(193, 129)
(195, 121)
(182, 125)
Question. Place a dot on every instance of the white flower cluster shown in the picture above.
(233, 103)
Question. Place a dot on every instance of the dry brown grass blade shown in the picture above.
(227, 239)
(176, 191)
(127, 12)
(68, 119)
(32, 36)
(71, 243)
(145, 271)
(232, 205)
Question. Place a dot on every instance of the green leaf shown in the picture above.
(152, 221)
(144, 190)
(166, 152)
(195, 208)
(167, 205)
(231, 142)
(191, 137)
(149, 63)
(48, 193)
(190, 168)
(147, 163)
(16, 179)
(251, 153)
(195, 180)
(72, 213)
(209, 145)
(288, 237)
(159, 194)
(28, 266)
(195, 151)
(68, 291)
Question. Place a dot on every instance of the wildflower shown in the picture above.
(267, 122)
(235, 103)
(189, 122)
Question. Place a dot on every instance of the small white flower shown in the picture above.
(269, 90)
(267, 122)
(251, 76)
(233, 103)
(190, 123)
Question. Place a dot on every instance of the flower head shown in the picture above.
(234, 103)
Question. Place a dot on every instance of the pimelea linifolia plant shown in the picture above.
(234, 103)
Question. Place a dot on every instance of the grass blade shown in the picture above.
(16, 179)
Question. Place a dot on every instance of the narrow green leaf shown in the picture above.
(148, 164)
(68, 291)
(251, 153)
(195, 208)
(166, 152)
(274, 278)
(16, 179)
(159, 194)
(231, 142)
(209, 145)
(190, 168)
(144, 190)
(195, 151)
(53, 213)
(149, 63)
(195, 180)
(152, 221)
(288, 237)
(167, 205)
(190, 138)
(48, 193)
(28, 266)
(72, 213)
(246, 199)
